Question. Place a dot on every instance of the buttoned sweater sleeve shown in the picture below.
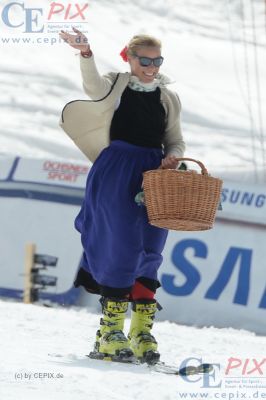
(173, 140)
(95, 85)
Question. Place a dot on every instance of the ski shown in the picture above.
(159, 367)
(185, 371)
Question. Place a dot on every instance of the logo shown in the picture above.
(17, 16)
(236, 259)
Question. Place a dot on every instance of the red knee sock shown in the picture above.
(140, 291)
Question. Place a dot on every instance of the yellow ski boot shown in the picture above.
(142, 343)
(111, 343)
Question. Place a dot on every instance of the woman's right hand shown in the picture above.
(78, 41)
(169, 162)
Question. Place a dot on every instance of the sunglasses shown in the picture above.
(147, 61)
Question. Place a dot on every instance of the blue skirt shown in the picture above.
(119, 244)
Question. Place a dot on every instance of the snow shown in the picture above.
(37, 340)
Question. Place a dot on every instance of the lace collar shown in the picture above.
(160, 80)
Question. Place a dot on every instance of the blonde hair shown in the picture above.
(142, 40)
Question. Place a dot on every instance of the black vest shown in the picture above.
(139, 119)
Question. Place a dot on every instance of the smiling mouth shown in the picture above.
(149, 75)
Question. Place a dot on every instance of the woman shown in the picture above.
(131, 125)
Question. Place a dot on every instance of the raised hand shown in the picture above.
(78, 41)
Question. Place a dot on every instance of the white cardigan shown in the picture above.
(87, 122)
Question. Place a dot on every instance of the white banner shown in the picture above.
(51, 172)
(214, 277)
(218, 277)
(244, 202)
(39, 201)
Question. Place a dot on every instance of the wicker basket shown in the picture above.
(181, 200)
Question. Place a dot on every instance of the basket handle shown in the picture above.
(201, 165)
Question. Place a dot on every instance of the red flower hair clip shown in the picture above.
(123, 54)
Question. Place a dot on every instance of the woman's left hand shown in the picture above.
(169, 162)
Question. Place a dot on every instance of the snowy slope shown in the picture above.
(37, 340)
(215, 77)
(214, 73)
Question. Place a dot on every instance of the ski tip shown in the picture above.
(205, 368)
(189, 370)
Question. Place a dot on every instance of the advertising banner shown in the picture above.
(215, 277)
(39, 201)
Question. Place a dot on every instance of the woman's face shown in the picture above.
(145, 74)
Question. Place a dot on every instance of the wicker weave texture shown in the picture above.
(181, 200)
